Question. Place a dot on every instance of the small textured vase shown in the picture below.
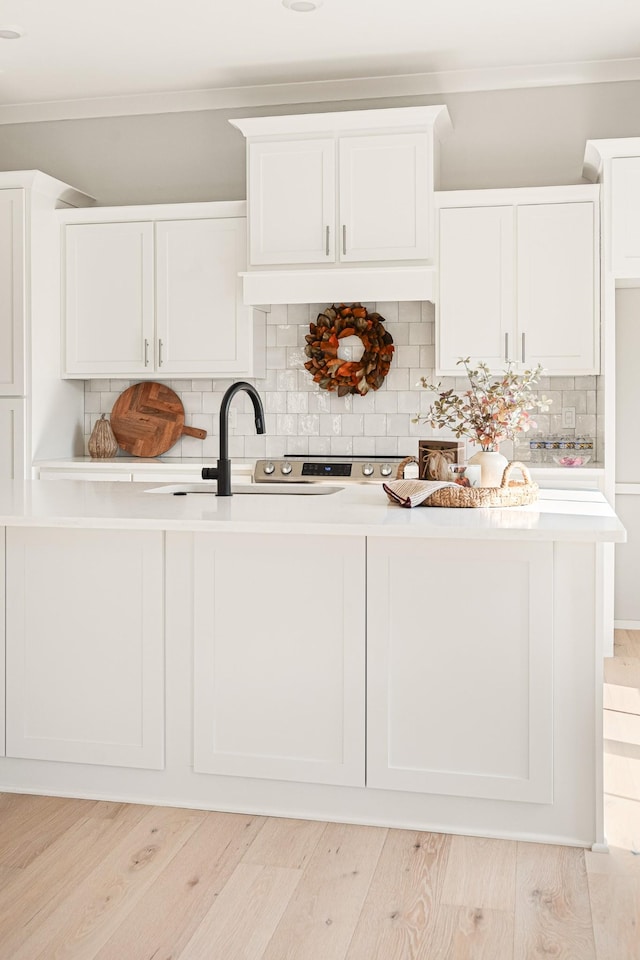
(102, 443)
(492, 465)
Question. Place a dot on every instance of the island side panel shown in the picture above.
(85, 646)
(2, 640)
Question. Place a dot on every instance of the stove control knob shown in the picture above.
(385, 469)
(269, 468)
(286, 468)
(367, 469)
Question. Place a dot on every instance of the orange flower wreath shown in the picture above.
(348, 376)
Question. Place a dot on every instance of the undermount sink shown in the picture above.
(242, 489)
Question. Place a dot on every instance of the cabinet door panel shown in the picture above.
(625, 216)
(12, 452)
(12, 317)
(460, 705)
(109, 287)
(202, 324)
(475, 313)
(385, 200)
(557, 270)
(279, 667)
(292, 201)
(85, 646)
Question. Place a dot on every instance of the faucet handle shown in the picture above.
(209, 473)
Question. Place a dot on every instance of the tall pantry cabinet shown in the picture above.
(37, 409)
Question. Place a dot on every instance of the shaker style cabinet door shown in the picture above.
(202, 324)
(279, 650)
(460, 705)
(292, 195)
(12, 305)
(625, 217)
(475, 313)
(88, 686)
(558, 283)
(12, 451)
(385, 197)
(109, 298)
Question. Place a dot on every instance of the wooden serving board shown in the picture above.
(148, 419)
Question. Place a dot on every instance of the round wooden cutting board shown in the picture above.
(148, 418)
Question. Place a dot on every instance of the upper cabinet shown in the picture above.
(616, 163)
(519, 279)
(155, 291)
(342, 191)
(12, 283)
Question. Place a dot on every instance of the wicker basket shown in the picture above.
(508, 494)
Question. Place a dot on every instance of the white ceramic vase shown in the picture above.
(492, 465)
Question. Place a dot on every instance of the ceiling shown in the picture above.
(78, 49)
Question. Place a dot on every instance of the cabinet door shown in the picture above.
(12, 316)
(292, 202)
(558, 283)
(625, 217)
(385, 197)
(109, 298)
(202, 325)
(460, 703)
(85, 646)
(475, 313)
(12, 451)
(279, 658)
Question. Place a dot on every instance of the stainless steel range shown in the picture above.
(317, 469)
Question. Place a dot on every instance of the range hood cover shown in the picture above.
(339, 286)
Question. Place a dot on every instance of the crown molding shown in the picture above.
(328, 91)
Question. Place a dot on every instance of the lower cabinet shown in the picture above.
(85, 646)
(2, 642)
(459, 667)
(279, 657)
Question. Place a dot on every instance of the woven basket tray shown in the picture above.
(510, 493)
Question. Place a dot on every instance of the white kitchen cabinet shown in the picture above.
(12, 287)
(278, 675)
(109, 299)
(347, 187)
(386, 197)
(87, 686)
(460, 704)
(156, 291)
(519, 279)
(12, 442)
(292, 201)
(201, 322)
(625, 217)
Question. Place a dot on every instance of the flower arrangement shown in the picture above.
(493, 409)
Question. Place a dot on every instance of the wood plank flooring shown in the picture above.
(84, 880)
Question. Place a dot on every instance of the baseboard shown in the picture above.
(626, 624)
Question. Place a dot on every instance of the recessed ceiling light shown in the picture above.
(10, 33)
(302, 6)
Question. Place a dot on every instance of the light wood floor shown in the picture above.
(100, 881)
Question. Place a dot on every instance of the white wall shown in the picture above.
(501, 138)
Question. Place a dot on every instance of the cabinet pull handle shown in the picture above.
(344, 238)
(524, 352)
(146, 353)
(159, 353)
(326, 242)
(506, 346)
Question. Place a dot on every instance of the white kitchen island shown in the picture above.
(329, 657)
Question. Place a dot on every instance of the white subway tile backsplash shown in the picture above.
(302, 419)
(409, 311)
(287, 336)
(297, 402)
(375, 424)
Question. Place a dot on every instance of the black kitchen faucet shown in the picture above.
(222, 473)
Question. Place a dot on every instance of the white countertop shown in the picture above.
(356, 510)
